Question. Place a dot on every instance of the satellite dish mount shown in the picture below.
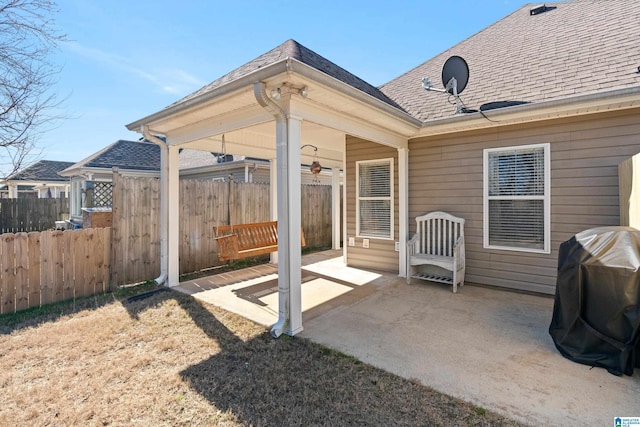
(455, 76)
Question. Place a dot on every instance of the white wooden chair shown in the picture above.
(438, 242)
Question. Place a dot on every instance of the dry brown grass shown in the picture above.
(170, 360)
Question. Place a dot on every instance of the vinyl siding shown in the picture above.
(381, 254)
(445, 173)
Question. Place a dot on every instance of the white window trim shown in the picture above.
(546, 198)
(390, 198)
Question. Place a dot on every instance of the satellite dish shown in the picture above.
(455, 68)
(455, 76)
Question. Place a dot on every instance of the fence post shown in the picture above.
(232, 201)
(115, 229)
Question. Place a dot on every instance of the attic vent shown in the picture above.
(537, 10)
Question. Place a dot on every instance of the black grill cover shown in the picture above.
(596, 313)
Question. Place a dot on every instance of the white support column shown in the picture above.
(344, 200)
(403, 208)
(290, 172)
(273, 188)
(335, 206)
(13, 191)
(173, 217)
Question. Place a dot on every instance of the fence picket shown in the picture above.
(68, 291)
(88, 261)
(22, 271)
(57, 246)
(79, 256)
(103, 252)
(7, 269)
(46, 261)
(34, 267)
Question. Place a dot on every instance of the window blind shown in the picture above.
(375, 199)
(515, 199)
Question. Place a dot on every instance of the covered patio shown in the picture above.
(487, 346)
(290, 106)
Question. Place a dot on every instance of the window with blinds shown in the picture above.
(375, 198)
(517, 198)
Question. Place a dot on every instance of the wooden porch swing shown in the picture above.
(248, 240)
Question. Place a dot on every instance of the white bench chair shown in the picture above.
(438, 242)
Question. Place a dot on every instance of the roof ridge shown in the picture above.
(292, 49)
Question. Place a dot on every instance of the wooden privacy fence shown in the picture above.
(203, 205)
(31, 214)
(38, 268)
(43, 267)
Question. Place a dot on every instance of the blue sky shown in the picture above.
(127, 59)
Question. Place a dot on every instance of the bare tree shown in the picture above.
(27, 39)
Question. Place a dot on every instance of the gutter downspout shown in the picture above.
(284, 290)
(164, 207)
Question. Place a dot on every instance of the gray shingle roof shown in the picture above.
(135, 155)
(576, 47)
(141, 156)
(188, 159)
(294, 50)
(44, 170)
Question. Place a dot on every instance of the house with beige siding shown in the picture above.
(40, 180)
(551, 108)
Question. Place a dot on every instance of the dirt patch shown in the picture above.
(168, 359)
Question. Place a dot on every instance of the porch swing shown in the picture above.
(250, 240)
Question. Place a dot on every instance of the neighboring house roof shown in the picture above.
(294, 50)
(574, 47)
(44, 170)
(139, 156)
(188, 159)
(133, 155)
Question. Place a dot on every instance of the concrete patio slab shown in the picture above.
(486, 346)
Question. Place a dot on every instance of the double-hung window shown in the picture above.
(374, 203)
(517, 198)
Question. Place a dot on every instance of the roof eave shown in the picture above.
(223, 166)
(609, 100)
(83, 170)
(270, 71)
(234, 85)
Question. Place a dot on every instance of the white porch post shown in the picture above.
(173, 217)
(403, 208)
(344, 200)
(288, 129)
(13, 191)
(335, 207)
(273, 188)
(289, 214)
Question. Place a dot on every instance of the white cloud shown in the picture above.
(170, 80)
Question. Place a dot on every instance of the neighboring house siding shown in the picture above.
(237, 173)
(262, 175)
(446, 173)
(381, 254)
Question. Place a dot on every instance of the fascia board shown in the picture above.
(241, 83)
(617, 99)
